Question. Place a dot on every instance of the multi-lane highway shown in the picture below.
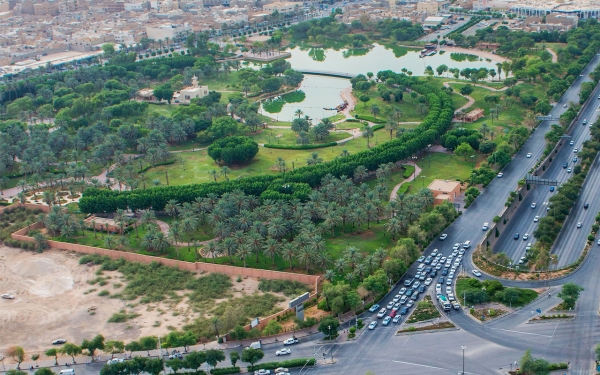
(522, 222)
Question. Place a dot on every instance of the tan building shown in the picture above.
(192, 92)
(162, 32)
(444, 191)
(429, 7)
(474, 115)
(569, 21)
(282, 7)
(42, 9)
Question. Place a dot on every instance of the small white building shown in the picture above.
(192, 92)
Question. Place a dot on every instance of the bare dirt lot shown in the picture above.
(53, 300)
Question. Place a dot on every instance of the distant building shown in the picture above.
(444, 191)
(166, 31)
(434, 21)
(42, 9)
(474, 115)
(192, 92)
(281, 8)
(429, 7)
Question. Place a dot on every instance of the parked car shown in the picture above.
(8, 296)
(59, 342)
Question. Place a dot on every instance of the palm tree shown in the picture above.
(109, 241)
(40, 242)
(271, 248)
(393, 226)
(277, 228)
(174, 235)
(244, 252)
(254, 241)
(288, 251)
(391, 126)
(329, 275)
(375, 110)
(299, 113)
(360, 271)
(352, 256)
(305, 256)
(314, 159)
(380, 255)
(123, 242)
(224, 172)
(368, 133)
(148, 217)
(484, 129)
(360, 173)
(172, 207)
(340, 265)
(213, 173)
(160, 242)
(213, 249)
(345, 153)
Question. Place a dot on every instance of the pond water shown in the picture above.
(324, 92)
(319, 92)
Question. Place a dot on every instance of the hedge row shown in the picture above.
(298, 362)
(435, 123)
(225, 371)
(300, 147)
(370, 119)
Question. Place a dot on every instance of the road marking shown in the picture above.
(433, 367)
(549, 341)
(525, 333)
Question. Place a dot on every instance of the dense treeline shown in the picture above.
(429, 131)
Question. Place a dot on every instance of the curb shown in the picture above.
(570, 319)
(428, 331)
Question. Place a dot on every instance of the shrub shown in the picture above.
(289, 288)
(104, 293)
(233, 150)
(300, 147)
(299, 362)
(225, 371)
(352, 329)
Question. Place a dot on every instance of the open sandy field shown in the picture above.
(51, 303)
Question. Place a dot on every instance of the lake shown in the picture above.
(324, 92)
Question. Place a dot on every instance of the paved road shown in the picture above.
(442, 33)
(569, 247)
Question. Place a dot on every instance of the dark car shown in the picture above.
(441, 280)
(433, 274)
(565, 165)
(422, 289)
(445, 272)
(404, 310)
(516, 236)
(428, 270)
(586, 206)
(415, 296)
(409, 292)
(407, 282)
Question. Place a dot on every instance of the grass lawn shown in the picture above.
(202, 233)
(463, 285)
(407, 105)
(424, 310)
(441, 166)
(196, 165)
(366, 240)
(288, 137)
(396, 177)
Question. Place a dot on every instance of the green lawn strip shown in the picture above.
(395, 178)
(366, 240)
(425, 310)
(196, 165)
(463, 285)
(288, 137)
(441, 166)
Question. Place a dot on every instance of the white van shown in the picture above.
(421, 267)
(68, 371)
(467, 244)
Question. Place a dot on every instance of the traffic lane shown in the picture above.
(572, 240)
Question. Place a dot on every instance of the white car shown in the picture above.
(579, 225)
(451, 297)
(449, 282)
(397, 319)
(290, 341)
(438, 287)
(280, 370)
(387, 320)
(283, 352)
(402, 291)
(443, 236)
(8, 296)
(262, 372)
(416, 284)
(120, 360)
(536, 219)
(373, 325)
(529, 154)
(59, 342)
(500, 175)
(396, 307)
(477, 273)
(403, 300)
(575, 150)
(448, 289)
(410, 304)
(438, 266)
(434, 252)
(382, 312)
(456, 246)
(525, 236)
(533, 205)
(485, 226)
(428, 281)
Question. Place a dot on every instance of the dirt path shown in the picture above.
(470, 102)
(394, 192)
(346, 95)
(554, 55)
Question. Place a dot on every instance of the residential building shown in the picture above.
(192, 92)
(45, 8)
(429, 7)
(282, 7)
(162, 32)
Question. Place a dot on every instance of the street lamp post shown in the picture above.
(463, 349)
(423, 177)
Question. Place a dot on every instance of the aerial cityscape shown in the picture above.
(299, 187)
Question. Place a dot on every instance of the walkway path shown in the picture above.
(471, 101)
(554, 55)
(347, 96)
(394, 192)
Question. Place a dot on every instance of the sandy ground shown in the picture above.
(51, 303)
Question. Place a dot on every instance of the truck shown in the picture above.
(254, 345)
(444, 303)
